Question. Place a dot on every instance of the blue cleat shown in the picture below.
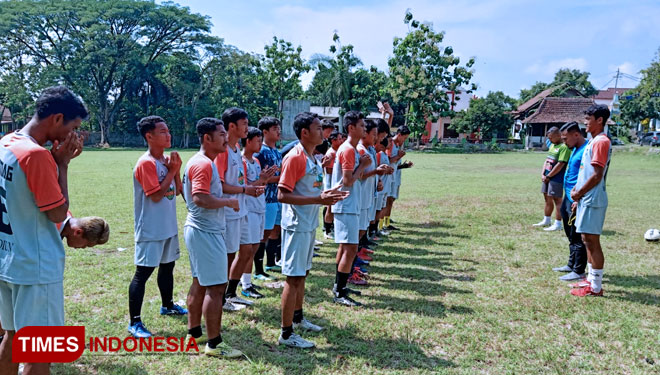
(175, 310)
(138, 330)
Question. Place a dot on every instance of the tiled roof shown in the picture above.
(560, 110)
(609, 93)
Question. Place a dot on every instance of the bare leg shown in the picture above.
(594, 251)
(347, 257)
(290, 297)
(36, 369)
(557, 202)
(547, 209)
(194, 302)
(7, 367)
(212, 309)
(243, 257)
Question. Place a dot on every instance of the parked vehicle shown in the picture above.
(651, 139)
(617, 142)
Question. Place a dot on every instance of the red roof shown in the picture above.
(560, 110)
(609, 93)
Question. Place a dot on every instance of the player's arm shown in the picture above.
(556, 169)
(326, 198)
(210, 202)
(401, 154)
(42, 172)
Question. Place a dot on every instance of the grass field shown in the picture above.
(464, 288)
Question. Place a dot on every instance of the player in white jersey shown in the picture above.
(203, 233)
(156, 183)
(232, 174)
(33, 197)
(256, 206)
(301, 193)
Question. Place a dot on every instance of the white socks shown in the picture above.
(558, 223)
(246, 280)
(589, 268)
(596, 280)
(547, 220)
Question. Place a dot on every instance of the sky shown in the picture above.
(515, 42)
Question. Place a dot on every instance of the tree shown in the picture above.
(643, 102)
(369, 86)
(526, 94)
(488, 116)
(422, 71)
(283, 67)
(574, 78)
(98, 48)
(333, 82)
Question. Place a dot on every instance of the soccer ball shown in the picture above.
(652, 235)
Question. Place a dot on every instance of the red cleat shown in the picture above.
(580, 284)
(586, 292)
(355, 279)
(368, 251)
(364, 256)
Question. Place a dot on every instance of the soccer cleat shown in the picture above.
(264, 277)
(175, 310)
(329, 236)
(346, 301)
(580, 284)
(542, 223)
(138, 330)
(586, 292)
(366, 251)
(553, 227)
(198, 340)
(315, 254)
(239, 300)
(391, 227)
(228, 306)
(355, 279)
(251, 292)
(364, 256)
(316, 248)
(222, 350)
(347, 289)
(370, 244)
(383, 232)
(375, 237)
(562, 269)
(363, 273)
(571, 276)
(295, 341)
(307, 326)
(274, 268)
(318, 243)
(359, 262)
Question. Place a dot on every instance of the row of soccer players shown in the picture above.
(229, 217)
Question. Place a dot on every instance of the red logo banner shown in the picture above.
(38, 344)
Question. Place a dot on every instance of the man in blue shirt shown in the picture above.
(577, 260)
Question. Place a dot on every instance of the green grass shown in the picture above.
(464, 288)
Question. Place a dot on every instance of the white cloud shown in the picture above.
(551, 67)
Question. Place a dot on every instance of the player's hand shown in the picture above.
(254, 191)
(332, 196)
(79, 145)
(233, 203)
(66, 150)
(380, 186)
(382, 169)
(326, 161)
(575, 196)
(574, 206)
(402, 153)
(173, 163)
(365, 158)
(544, 179)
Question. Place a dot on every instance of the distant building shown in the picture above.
(5, 120)
(440, 129)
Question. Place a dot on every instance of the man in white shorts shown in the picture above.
(203, 234)
(301, 193)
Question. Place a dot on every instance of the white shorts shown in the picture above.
(590, 220)
(154, 253)
(31, 305)
(372, 209)
(364, 219)
(346, 228)
(208, 256)
(236, 234)
(394, 192)
(255, 227)
(380, 198)
(297, 252)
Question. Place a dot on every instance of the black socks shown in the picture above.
(298, 316)
(166, 283)
(259, 259)
(212, 343)
(195, 332)
(231, 288)
(136, 292)
(342, 279)
(287, 332)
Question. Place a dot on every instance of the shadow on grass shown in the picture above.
(80, 367)
(628, 282)
(345, 343)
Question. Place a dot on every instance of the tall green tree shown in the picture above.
(488, 116)
(283, 66)
(333, 82)
(643, 102)
(422, 70)
(98, 47)
(564, 79)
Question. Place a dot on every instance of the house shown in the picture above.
(440, 129)
(5, 120)
(554, 112)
